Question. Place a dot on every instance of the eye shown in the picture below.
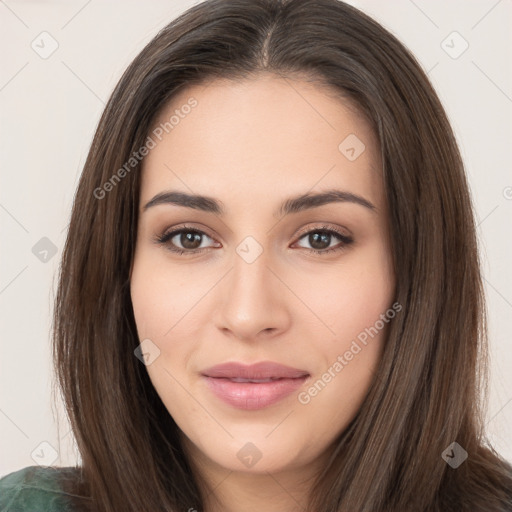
(320, 240)
(184, 240)
(188, 240)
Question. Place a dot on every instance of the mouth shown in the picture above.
(255, 386)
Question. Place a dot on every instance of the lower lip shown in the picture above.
(253, 395)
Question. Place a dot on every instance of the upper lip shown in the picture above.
(261, 370)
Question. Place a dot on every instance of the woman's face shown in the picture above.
(249, 287)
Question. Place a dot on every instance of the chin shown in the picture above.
(255, 454)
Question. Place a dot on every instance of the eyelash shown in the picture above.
(167, 236)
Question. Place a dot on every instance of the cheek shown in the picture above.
(359, 303)
(162, 295)
(333, 398)
(167, 310)
(358, 308)
(354, 301)
(350, 297)
(348, 360)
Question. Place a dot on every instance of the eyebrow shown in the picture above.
(291, 205)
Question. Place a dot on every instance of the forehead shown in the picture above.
(255, 138)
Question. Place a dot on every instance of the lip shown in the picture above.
(254, 386)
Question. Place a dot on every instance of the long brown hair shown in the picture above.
(426, 393)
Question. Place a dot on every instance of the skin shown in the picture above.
(251, 145)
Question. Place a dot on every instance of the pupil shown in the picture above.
(319, 241)
(189, 238)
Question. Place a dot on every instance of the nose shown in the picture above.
(253, 301)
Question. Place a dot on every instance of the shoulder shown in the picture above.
(35, 488)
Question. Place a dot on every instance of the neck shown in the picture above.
(250, 492)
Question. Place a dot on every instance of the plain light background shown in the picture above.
(50, 108)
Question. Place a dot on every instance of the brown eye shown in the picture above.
(320, 240)
(185, 240)
(189, 239)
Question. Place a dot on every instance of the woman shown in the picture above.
(270, 295)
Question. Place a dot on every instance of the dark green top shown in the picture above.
(35, 489)
(39, 489)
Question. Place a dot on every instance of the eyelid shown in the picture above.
(323, 227)
(185, 227)
(345, 239)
